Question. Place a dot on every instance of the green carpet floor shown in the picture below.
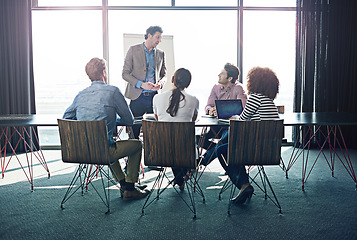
(326, 209)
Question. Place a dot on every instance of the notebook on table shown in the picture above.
(227, 108)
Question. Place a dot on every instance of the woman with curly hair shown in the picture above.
(177, 106)
(262, 86)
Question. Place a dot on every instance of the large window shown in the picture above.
(269, 41)
(206, 34)
(203, 47)
(63, 43)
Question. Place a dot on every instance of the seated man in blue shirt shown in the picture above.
(100, 101)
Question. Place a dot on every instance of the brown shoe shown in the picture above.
(141, 187)
(135, 194)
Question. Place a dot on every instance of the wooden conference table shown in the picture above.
(24, 126)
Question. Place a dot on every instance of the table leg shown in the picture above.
(3, 150)
(334, 131)
(348, 163)
(30, 148)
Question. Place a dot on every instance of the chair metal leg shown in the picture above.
(196, 186)
(81, 176)
(158, 183)
(102, 175)
(71, 190)
(225, 186)
(265, 183)
(190, 190)
(282, 164)
(271, 189)
(233, 189)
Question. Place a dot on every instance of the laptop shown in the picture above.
(228, 108)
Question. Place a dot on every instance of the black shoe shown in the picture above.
(244, 195)
(181, 184)
(155, 168)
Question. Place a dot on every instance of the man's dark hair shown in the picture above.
(232, 71)
(152, 30)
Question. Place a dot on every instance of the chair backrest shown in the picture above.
(84, 141)
(281, 109)
(169, 144)
(255, 142)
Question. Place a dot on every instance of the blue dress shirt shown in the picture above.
(101, 102)
(150, 68)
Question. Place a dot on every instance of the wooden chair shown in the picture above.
(86, 143)
(170, 144)
(255, 143)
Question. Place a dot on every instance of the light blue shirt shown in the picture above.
(100, 101)
(150, 68)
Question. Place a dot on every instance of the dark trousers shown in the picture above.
(214, 132)
(179, 174)
(211, 154)
(237, 174)
(140, 106)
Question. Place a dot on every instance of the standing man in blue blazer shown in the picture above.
(145, 73)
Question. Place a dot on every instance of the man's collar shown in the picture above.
(229, 87)
(98, 82)
(145, 49)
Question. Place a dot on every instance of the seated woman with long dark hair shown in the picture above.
(177, 106)
(263, 86)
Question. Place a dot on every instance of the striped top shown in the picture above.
(259, 107)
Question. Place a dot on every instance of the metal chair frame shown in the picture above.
(170, 144)
(86, 143)
(249, 144)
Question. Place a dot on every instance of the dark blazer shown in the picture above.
(134, 69)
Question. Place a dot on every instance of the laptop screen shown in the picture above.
(228, 108)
